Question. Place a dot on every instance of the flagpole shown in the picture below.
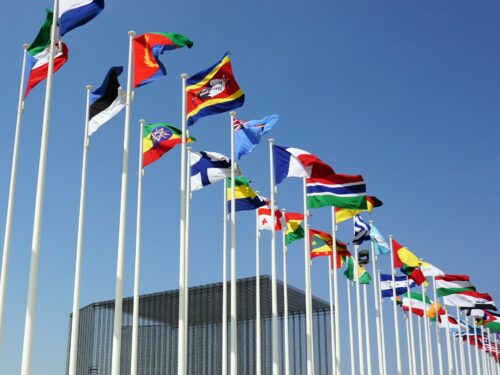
(337, 361)
(367, 332)
(428, 349)
(448, 344)
(408, 338)
(382, 330)
(332, 324)
(497, 369)
(224, 285)
(117, 327)
(396, 327)
(307, 276)
(79, 244)
(439, 345)
(460, 343)
(488, 367)
(38, 214)
(351, 331)
(12, 192)
(476, 353)
(485, 366)
(137, 266)
(469, 354)
(358, 312)
(420, 350)
(258, 333)
(380, 347)
(186, 248)
(285, 305)
(412, 340)
(274, 291)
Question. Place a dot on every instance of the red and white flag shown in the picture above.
(265, 218)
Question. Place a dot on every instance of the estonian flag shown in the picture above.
(107, 100)
(74, 13)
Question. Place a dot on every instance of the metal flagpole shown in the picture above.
(485, 367)
(367, 332)
(412, 340)
(332, 313)
(337, 362)
(396, 325)
(476, 353)
(274, 291)
(455, 355)
(469, 354)
(137, 267)
(461, 347)
(258, 333)
(12, 192)
(428, 350)
(420, 350)
(358, 312)
(224, 287)
(488, 335)
(351, 332)
(448, 345)
(234, 311)
(37, 222)
(382, 330)
(307, 276)
(438, 336)
(408, 345)
(497, 369)
(186, 246)
(285, 306)
(75, 316)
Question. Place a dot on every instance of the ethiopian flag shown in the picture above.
(294, 230)
(158, 139)
(363, 275)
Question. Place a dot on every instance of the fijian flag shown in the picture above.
(400, 282)
(209, 167)
(74, 13)
(107, 100)
(361, 231)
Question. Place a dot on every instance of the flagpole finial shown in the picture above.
(188, 148)
(142, 122)
(370, 222)
(26, 46)
(88, 87)
(390, 236)
(184, 75)
(232, 113)
(131, 33)
(271, 140)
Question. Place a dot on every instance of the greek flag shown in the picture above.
(209, 167)
(361, 231)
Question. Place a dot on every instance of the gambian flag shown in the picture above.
(294, 230)
(74, 13)
(158, 139)
(212, 91)
(37, 62)
(245, 197)
(147, 49)
(339, 190)
(343, 214)
(363, 275)
(408, 262)
(451, 284)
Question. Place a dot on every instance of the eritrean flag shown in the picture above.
(294, 230)
(158, 139)
(212, 91)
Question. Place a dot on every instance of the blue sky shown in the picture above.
(403, 93)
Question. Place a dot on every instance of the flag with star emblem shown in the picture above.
(158, 139)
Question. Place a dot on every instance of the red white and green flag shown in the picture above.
(451, 284)
(416, 301)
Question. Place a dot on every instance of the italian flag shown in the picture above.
(294, 230)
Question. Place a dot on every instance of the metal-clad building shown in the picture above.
(157, 351)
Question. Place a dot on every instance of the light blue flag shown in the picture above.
(247, 134)
(381, 247)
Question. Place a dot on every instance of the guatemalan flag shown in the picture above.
(209, 167)
(74, 13)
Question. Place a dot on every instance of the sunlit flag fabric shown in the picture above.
(380, 245)
(361, 231)
(212, 91)
(343, 214)
(363, 275)
(248, 134)
(37, 62)
(470, 298)
(452, 323)
(416, 301)
(430, 270)
(451, 284)
(147, 48)
(106, 101)
(294, 230)
(208, 167)
(266, 220)
(245, 197)
(74, 13)
(408, 262)
(339, 190)
(401, 285)
(321, 245)
(158, 139)
(294, 162)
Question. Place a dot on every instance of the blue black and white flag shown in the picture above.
(400, 282)
(209, 167)
(248, 134)
(381, 247)
(74, 13)
(361, 231)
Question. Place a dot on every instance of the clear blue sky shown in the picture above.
(405, 94)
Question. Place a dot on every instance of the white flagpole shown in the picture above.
(224, 286)
(396, 325)
(337, 362)
(307, 275)
(358, 312)
(332, 313)
(412, 340)
(485, 366)
(351, 331)
(428, 349)
(234, 311)
(469, 354)
(497, 369)
(12, 192)
(420, 349)
(367, 332)
(274, 290)
(38, 215)
(438, 336)
(258, 333)
(492, 371)
(117, 326)
(451, 367)
(382, 330)
(79, 244)
(460, 343)
(186, 246)
(476, 353)
(488, 363)
(408, 345)
(137, 266)
(182, 334)
(285, 306)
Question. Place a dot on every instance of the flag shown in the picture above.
(209, 167)
(418, 305)
(294, 162)
(294, 230)
(401, 285)
(158, 139)
(147, 49)
(470, 298)
(245, 197)
(343, 214)
(493, 324)
(429, 270)
(381, 247)
(361, 231)
(453, 324)
(321, 245)
(450, 284)
(107, 100)
(363, 275)
(213, 90)
(37, 59)
(339, 190)
(248, 134)
(434, 310)
(74, 13)
(265, 218)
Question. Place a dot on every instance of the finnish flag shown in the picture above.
(209, 167)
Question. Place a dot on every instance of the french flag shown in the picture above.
(74, 13)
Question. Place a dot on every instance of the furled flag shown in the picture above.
(416, 302)
(74, 13)
(212, 91)
(294, 230)
(209, 167)
(245, 197)
(107, 100)
(381, 247)
(321, 245)
(343, 214)
(363, 275)
(339, 190)
(265, 218)
(408, 262)
(37, 62)
(158, 139)
(294, 162)
(147, 49)
(401, 285)
(361, 231)
(453, 324)
(247, 134)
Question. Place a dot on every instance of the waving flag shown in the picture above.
(322, 245)
(245, 197)
(343, 214)
(209, 167)
(248, 134)
(212, 91)
(363, 275)
(470, 298)
(147, 49)
(416, 302)
(294, 230)
(265, 218)
(361, 231)
(429, 270)
(158, 139)
(401, 285)
(451, 284)
(409, 263)
(381, 247)
(74, 13)
(339, 190)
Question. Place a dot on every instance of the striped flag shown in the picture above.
(361, 231)
(339, 190)
(74, 13)
(343, 214)
(294, 230)
(400, 283)
(265, 218)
